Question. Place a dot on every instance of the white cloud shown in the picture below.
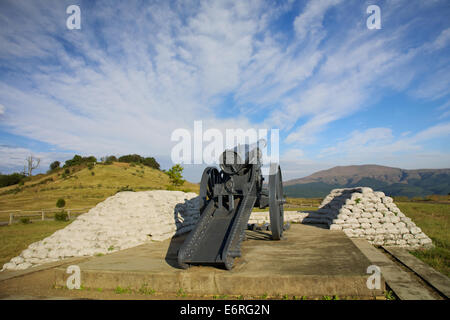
(441, 41)
(134, 74)
(14, 158)
(310, 20)
(380, 143)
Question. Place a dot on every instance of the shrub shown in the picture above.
(67, 171)
(126, 188)
(92, 173)
(175, 175)
(25, 220)
(55, 165)
(61, 216)
(108, 159)
(137, 159)
(90, 165)
(11, 179)
(60, 203)
(77, 159)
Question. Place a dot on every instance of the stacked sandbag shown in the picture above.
(362, 213)
(122, 221)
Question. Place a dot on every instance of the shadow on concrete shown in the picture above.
(171, 257)
(331, 210)
(258, 235)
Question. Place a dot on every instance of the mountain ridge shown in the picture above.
(391, 180)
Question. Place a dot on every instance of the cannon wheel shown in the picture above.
(276, 201)
(210, 177)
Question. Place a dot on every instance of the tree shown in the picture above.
(175, 176)
(60, 203)
(32, 163)
(55, 165)
(135, 158)
(10, 179)
(151, 162)
(77, 160)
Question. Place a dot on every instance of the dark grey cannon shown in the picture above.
(228, 197)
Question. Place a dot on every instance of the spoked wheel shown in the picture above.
(276, 201)
(210, 177)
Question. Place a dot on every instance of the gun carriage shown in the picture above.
(228, 196)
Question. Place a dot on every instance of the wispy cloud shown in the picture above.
(136, 70)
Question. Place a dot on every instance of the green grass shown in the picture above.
(389, 295)
(434, 220)
(146, 291)
(17, 237)
(120, 290)
(181, 293)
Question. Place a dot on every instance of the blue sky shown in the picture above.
(339, 93)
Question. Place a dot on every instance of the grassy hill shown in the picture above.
(84, 187)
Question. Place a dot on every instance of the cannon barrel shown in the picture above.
(235, 160)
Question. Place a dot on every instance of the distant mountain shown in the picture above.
(392, 181)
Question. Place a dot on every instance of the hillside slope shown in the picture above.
(393, 181)
(84, 187)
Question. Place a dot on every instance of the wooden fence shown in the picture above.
(43, 214)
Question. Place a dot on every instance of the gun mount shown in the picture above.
(228, 197)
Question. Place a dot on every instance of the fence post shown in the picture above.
(43, 215)
(68, 214)
(11, 217)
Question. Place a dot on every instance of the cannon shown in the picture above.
(227, 199)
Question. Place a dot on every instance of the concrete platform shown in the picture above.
(310, 262)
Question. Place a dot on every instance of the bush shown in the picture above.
(137, 159)
(126, 188)
(90, 165)
(61, 216)
(92, 173)
(11, 179)
(175, 175)
(55, 165)
(60, 203)
(25, 220)
(77, 159)
(108, 159)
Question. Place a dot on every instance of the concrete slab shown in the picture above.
(434, 278)
(404, 285)
(310, 262)
(27, 297)
(6, 275)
